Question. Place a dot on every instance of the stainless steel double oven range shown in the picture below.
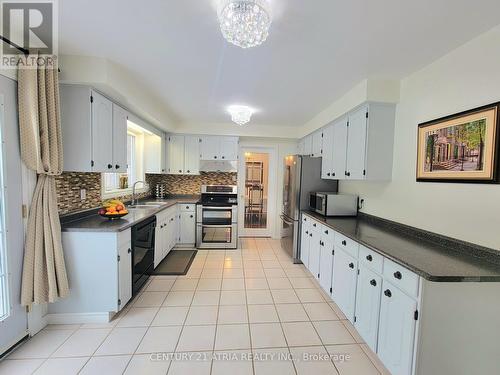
(217, 217)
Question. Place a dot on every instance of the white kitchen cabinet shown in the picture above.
(317, 144)
(326, 264)
(308, 146)
(192, 155)
(356, 144)
(300, 147)
(345, 272)
(153, 153)
(219, 148)
(187, 228)
(314, 251)
(339, 149)
(102, 133)
(305, 241)
(327, 155)
(397, 330)
(124, 273)
(368, 295)
(176, 154)
(120, 118)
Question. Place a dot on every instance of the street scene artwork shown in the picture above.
(461, 147)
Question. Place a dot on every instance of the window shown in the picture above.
(116, 184)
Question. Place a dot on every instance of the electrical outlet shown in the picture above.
(83, 194)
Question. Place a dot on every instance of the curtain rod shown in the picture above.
(19, 48)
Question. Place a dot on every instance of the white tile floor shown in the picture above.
(246, 311)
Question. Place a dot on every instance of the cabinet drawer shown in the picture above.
(371, 259)
(349, 246)
(328, 234)
(401, 277)
(187, 207)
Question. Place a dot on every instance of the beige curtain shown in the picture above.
(44, 272)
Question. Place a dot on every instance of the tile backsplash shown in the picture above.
(69, 184)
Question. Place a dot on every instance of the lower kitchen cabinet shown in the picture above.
(345, 273)
(326, 264)
(187, 228)
(305, 240)
(368, 294)
(397, 330)
(314, 252)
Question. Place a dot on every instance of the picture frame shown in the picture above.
(460, 148)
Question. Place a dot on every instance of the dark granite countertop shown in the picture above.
(434, 257)
(92, 222)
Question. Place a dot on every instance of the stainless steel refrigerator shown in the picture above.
(302, 175)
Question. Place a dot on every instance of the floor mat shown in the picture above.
(177, 262)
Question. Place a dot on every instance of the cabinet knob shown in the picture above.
(344, 242)
(310, 234)
(351, 265)
(215, 157)
(180, 171)
(398, 275)
(373, 282)
(188, 171)
(110, 166)
(388, 293)
(117, 166)
(191, 216)
(314, 224)
(369, 258)
(223, 157)
(333, 174)
(328, 174)
(307, 232)
(187, 207)
(129, 250)
(326, 231)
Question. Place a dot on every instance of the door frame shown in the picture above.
(272, 191)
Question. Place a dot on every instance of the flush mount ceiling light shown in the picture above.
(240, 114)
(245, 23)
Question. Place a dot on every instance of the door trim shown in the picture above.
(272, 191)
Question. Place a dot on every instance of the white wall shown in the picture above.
(464, 79)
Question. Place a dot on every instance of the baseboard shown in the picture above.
(79, 318)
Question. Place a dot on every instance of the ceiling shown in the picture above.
(316, 50)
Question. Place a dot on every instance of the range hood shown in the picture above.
(218, 166)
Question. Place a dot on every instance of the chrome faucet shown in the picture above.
(134, 200)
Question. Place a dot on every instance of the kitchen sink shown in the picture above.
(146, 205)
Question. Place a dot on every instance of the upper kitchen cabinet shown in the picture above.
(219, 148)
(183, 154)
(93, 131)
(317, 144)
(120, 118)
(361, 144)
(154, 154)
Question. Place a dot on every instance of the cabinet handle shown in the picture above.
(388, 293)
(333, 174)
(310, 234)
(328, 174)
(307, 232)
(117, 166)
(351, 265)
(314, 224)
(321, 243)
(326, 231)
(110, 166)
(369, 258)
(373, 282)
(398, 275)
(344, 243)
(129, 250)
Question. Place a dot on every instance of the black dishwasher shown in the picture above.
(143, 252)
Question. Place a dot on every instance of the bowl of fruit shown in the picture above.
(113, 209)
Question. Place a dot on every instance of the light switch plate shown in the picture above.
(83, 194)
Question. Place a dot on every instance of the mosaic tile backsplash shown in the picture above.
(69, 184)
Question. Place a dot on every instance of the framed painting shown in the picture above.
(460, 148)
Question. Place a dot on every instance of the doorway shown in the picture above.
(256, 185)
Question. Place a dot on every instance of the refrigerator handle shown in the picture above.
(286, 221)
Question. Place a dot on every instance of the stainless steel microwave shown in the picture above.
(333, 204)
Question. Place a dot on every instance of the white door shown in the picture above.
(356, 144)
(317, 144)
(210, 148)
(120, 118)
(187, 227)
(339, 149)
(176, 154)
(304, 241)
(327, 155)
(396, 330)
(124, 275)
(314, 252)
(229, 148)
(102, 133)
(257, 190)
(191, 155)
(344, 282)
(13, 317)
(368, 305)
(326, 264)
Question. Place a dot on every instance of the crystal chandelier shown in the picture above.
(240, 114)
(245, 23)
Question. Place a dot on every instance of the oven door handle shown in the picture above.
(286, 221)
(216, 226)
(227, 208)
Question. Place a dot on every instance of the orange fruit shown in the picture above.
(122, 211)
(119, 207)
(111, 209)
